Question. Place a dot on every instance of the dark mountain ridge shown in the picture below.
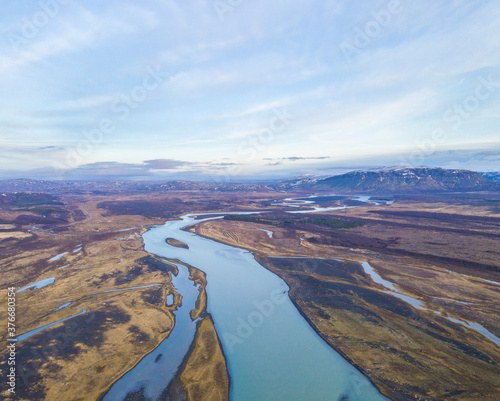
(408, 180)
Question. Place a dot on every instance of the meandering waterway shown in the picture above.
(271, 351)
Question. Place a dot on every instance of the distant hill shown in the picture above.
(102, 187)
(493, 176)
(405, 180)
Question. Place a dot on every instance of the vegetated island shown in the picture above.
(176, 243)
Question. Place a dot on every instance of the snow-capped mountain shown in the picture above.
(404, 180)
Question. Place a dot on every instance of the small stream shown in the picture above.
(418, 305)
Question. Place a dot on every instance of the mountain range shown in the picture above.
(403, 180)
(384, 181)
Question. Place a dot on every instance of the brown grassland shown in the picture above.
(441, 251)
(441, 257)
(80, 358)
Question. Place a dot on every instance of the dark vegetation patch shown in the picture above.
(464, 198)
(324, 199)
(354, 202)
(33, 199)
(45, 211)
(88, 329)
(382, 198)
(138, 335)
(325, 289)
(153, 296)
(129, 276)
(267, 203)
(106, 276)
(137, 395)
(58, 229)
(316, 292)
(78, 214)
(155, 264)
(330, 268)
(318, 311)
(28, 379)
(163, 208)
(138, 207)
(453, 393)
(466, 349)
(25, 244)
(349, 240)
(175, 390)
(36, 353)
(120, 277)
(329, 297)
(458, 219)
(331, 222)
(490, 200)
(388, 349)
(39, 208)
(282, 220)
(53, 367)
(28, 219)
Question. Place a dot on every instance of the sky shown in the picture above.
(240, 89)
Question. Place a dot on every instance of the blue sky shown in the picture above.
(237, 88)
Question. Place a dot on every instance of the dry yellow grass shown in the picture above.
(199, 278)
(118, 329)
(205, 375)
(14, 234)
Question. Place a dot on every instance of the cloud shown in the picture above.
(167, 169)
(111, 169)
(165, 164)
(295, 158)
(51, 148)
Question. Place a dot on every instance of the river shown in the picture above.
(271, 351)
